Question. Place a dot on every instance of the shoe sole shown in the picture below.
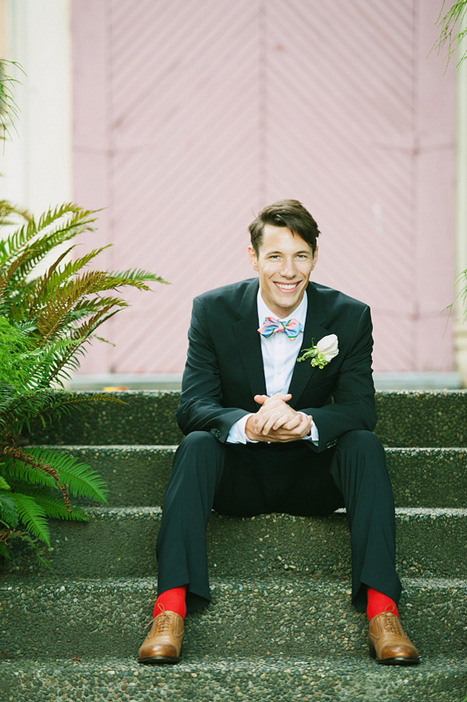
(398, 661)
(159, 659)
(393, 661)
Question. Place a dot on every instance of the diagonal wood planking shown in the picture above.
(215, 108)
(188, 144)
(335, 78)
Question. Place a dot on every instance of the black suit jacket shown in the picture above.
(224, 367)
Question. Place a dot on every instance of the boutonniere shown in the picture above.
(321, 353)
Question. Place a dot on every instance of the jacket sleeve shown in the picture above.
(353, 395)
(201, 407)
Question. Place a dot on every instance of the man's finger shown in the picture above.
(266, 399)
(276, 420)
(301, 430)
(284, 397)
(285, 418)
(261, 399)
(273, 405)
(272, 409)
(292, 423)
(261, 419)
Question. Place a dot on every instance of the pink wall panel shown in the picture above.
(185, 160)
(213, 109)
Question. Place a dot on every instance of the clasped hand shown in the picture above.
(276, 420)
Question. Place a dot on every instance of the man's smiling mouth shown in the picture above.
(287, 287)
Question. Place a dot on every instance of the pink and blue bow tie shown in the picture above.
(271, 325)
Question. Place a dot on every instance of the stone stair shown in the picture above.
(280, 624)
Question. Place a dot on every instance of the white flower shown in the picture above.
(323, 352)
(328, 346)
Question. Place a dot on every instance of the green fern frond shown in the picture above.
(19, 475)
(44, 361)
(137, 274)
(72, 267)
(67, 403)
(39, 290)
(3, 483)
(15, 361)
(80, 336)
(54, 508)
(8, 215)
(4, 551)
(114, 282)
(53, 314)
(8, 511)
(8, 272)
(9, 537)
(37, 287)
(82, 480)
(15, 242)
(85, 331)
(19, 409)
(31, 245)
(33, 516)
(94, 304)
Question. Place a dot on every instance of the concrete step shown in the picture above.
(120, 542)
(138, 475)
(430, 419)
(347, 678)
(85, 618)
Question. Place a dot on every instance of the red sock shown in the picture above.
(377, 603)
(173, 600)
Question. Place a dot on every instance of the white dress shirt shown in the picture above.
(279, 357)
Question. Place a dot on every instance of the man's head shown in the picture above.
(285, 213)
(284, 252)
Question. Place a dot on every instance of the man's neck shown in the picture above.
(299, 311)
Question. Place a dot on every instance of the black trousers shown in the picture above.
(246, 480)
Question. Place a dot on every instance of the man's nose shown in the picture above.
(288, 269)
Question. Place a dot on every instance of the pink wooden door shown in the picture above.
(190, 115)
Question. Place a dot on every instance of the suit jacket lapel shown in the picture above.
(314, 330)
(249, 341)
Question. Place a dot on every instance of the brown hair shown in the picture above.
(285, 213)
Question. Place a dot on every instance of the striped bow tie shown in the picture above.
(271, 325)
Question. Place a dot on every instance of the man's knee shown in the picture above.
(199, 440)
(199, 450)
(360, 440)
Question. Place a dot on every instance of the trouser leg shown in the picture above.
(181, 543)
(360, 473)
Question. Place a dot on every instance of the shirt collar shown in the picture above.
(299, 314)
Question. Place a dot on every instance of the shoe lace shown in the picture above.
(163, 619)
(392, 622)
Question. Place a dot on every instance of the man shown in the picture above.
(277, 406)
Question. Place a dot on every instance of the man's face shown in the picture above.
(284, 264)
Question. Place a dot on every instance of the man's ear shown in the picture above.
(315, 258)
(253, 257)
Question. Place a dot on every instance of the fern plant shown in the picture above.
(48, 316)
(30, 477)
(46, 320)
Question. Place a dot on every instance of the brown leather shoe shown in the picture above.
(164, 640)
(389, 642)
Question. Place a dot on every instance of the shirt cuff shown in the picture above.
(237, 433)
(313, 436)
